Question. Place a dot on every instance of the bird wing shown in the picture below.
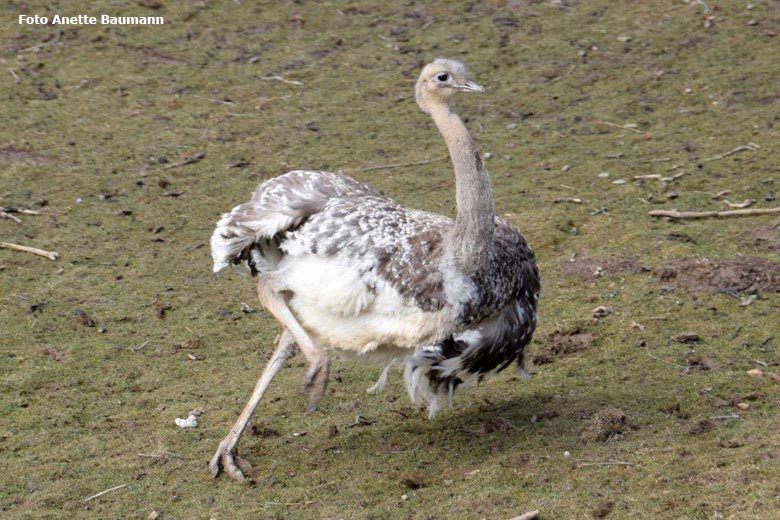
(278, 205)
(402, 247)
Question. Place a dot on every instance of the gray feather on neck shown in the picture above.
(471, 240)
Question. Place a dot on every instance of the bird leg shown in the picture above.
(315, 381)
(226, 456)
(270, 289)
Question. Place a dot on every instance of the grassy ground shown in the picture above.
(100, 115)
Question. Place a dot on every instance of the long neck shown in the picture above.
(471, 241)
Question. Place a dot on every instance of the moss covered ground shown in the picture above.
(97, 121)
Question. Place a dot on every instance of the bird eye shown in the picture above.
(443, 76)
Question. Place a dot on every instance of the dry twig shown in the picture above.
(622, 127)
(707, 214)
(8, 212)
(573, 200)
(530, 515)
(659, 177)
(608, 463)
(744, 147)
(16, 219)
(279, 78)
(647, 350)
(725, 417)
(289, 504)
(739, 205)
(51, 255)
(191, 160)
(104, 492)
(139, 347)
(16, 78)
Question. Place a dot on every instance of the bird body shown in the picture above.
(367, 276)
(350, 271)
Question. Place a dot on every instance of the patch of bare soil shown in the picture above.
(603, 508)
(13, 154)
(562, 344)
(748, 274)
(701, 427)
(609, 423)
(593, 267)
(766, 237)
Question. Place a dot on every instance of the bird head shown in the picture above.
(441, 79)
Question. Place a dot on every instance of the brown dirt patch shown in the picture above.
(594, 267)
(766, 237)
(701, 427)
(562, 344)
(603, 508)
(608, 423)
(13, 154)
(748, 274)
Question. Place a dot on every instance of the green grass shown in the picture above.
(103, 111)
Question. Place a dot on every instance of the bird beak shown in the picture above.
(470, 86)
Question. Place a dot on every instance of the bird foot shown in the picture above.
(382, 381)
(314, 381)
(226, 458)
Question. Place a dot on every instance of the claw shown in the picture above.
(382, 381)
(225, 458)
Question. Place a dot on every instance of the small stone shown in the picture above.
(602, 312)
(567, 454)
(624, 39)
(511, 126)
(603, 175)
(488, 156)
(247, 309)
(743, 406)
(755, 372)
(619, 181)
(566, 168)
(190, 422)
(154, 515)
(404, 497)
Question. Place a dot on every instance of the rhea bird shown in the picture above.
(348, 271)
